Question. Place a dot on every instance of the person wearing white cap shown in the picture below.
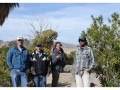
(17, 60)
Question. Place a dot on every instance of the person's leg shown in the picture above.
(15, 78)
(79, 81)
(24, 79)
(86, 79)
(43, 81)
(36, 81)
(55, 78)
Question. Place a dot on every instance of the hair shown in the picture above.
(57, 43)
(86, 42)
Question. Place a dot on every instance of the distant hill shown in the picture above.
(68, 47)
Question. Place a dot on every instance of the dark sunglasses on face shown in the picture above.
(82, 40)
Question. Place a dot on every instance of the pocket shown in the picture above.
(16, 53)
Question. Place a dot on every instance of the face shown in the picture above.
(58, 46)
(82, 42)
(38, 48)
(20, 42)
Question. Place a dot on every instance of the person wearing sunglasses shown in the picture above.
(17, 60)
(84, 63)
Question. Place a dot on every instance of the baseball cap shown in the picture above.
(38, 45)
(82, 38)
(19, 38)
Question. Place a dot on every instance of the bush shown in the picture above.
(4, 70)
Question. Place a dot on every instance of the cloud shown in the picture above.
(70, 20)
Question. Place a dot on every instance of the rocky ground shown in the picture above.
(67, 80)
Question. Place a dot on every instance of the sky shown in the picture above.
(68, 19)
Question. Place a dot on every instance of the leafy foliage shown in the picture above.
(70, 58)
(4, 70)
(105, 40)
(46, 39)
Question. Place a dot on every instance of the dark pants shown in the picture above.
(40, 81)
(55, 78)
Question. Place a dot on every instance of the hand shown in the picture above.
(58, 56)
(48, 75)
(86, 70)
(34, 73)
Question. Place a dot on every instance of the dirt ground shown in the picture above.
(67, 80)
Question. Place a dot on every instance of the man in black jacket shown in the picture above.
(40, 66)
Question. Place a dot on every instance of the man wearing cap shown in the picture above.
(40, 66)
(84, 63)
(17, 60)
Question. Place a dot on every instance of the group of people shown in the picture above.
(41, 66)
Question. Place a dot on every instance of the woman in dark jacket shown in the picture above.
(58, 63)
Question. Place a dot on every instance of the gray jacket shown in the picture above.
(58, 64)
(83, 59)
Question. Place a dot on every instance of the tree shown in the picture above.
(4, 70)
(5, 9)
(70, 58)
(43, 34)
(105, 40)
(12, 43)
(46, 39)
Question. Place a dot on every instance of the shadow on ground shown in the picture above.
(68, 85)
(61, 85)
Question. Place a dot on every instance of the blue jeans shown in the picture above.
(40, 81)
(18, 76)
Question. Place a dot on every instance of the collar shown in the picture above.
(84, 48)
(16, 47)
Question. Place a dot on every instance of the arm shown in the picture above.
(29, 61)
(54, 59)
(76, 64)
(92, 60)
(49, 67)
(9, 59)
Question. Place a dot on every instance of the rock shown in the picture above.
(67, 78)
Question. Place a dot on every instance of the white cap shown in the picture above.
(19, 38)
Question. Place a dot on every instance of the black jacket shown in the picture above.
(40, 64)
(58, 64)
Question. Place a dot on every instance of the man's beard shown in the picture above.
(82, 45)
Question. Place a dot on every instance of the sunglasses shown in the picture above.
(82, 40)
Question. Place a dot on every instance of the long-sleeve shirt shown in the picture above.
(84, 59)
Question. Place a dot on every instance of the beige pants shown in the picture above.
(83, 81)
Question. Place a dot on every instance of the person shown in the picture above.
(17, 60)
(40, 66)
(84, 63)
(58, 63)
